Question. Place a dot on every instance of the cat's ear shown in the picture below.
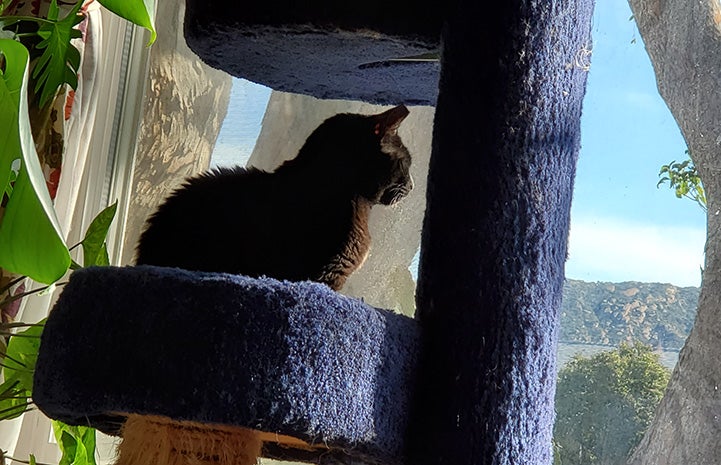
(388, 121)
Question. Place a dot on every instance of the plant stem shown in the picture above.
(18, 409)
(19, 397)
(10, 333)
(22, 365)
(24, 461)
(17, 324)
(12, 299)
(16, 19)
(8, 389)
(11, 284)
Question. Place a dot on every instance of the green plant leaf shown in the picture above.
(94, 250)
(9, 187)
(12, 69)
(13, 401)
(77, 444)
(22, 353)
(18, 368)
(103, 257)
(60, 60)
(33, 460)
(140, 12)
(31, 242)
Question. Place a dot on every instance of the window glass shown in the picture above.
(242, 123)
(635, 255)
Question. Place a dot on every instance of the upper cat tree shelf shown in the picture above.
(375, 51)
(234, 351)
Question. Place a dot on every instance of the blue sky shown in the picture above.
(622, 227)
(242, 123)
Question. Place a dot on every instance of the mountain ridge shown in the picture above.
(605, 313)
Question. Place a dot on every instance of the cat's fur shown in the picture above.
(307, 220)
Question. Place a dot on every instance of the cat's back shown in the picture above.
(207, 209)
(222, 182)
(217, 190)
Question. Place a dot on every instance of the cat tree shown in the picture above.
(311, 375)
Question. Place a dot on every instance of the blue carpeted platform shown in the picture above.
(290, 358)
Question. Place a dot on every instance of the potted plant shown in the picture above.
(38, 60)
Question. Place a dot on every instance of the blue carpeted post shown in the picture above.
(505, 143)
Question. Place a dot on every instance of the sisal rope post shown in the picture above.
(150, 439)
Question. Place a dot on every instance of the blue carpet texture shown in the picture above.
(292, 358)
(505, 143)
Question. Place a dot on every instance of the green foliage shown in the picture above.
(18, 357)
(31, 243)
(30, 238)
(18, 365)
(95, 251)
(683, 178)
(77, 444)
(605, 403)
(49, 41)
(140, 12)
(11, 182)
(4, 4)
(60, 60)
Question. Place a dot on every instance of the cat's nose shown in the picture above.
(410, 182)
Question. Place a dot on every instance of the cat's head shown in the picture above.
(398, 182)
(362, 154)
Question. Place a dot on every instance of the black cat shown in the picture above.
(307, 220)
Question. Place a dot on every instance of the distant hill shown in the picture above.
(660, 315)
